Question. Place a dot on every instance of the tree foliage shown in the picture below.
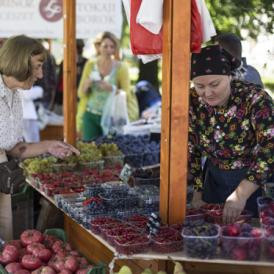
(254, 16)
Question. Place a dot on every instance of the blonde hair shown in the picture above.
(15, 56)
(106, 35)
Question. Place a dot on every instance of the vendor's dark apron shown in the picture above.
(219, 184)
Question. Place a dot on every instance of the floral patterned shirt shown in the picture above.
(238, 135)
(11, 117)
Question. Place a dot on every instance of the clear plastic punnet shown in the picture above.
(242, 242)
(201, 241)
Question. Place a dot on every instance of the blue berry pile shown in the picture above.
(201, 241)
(139, 150)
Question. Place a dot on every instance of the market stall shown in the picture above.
(174, 135)
(62, 188)
(173, 142)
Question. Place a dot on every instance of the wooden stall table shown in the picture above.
(98, 250)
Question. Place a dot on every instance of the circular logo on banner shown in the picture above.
(51, 10)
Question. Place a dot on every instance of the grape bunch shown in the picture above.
(88, 152)
(39, 164)
(110, 149)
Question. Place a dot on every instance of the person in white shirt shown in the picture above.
(31, 130)
(21, 60)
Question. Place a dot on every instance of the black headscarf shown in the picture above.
(213, 60)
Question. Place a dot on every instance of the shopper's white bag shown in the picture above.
(115, 115)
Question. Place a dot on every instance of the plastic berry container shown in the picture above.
(134, 160)
(97, 222)
(138, 181)
(104, 229)
(177, 227)
(262, 202)
(268, 244)
(130, 201)
(92, 190)
(203, 245)
(216, 217)
(210, 207)
(131, 244)
(167, 244)
(114, 161)
(117, 232)
(61, 167)
(117, 188)
(148, 197)
(92, 165)
(151, 158)
(194, 217)
(246, 246)
(266, 211)
(137, 218)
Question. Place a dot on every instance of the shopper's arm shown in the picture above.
(56, 148)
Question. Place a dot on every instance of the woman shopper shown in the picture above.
(231, 123)
(100, 77)
(21, 60)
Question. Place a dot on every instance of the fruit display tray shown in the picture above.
(169, 244)
(202, 247)
(242, 248)
(114, 161)
(132, 244)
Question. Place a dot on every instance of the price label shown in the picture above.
(126, 173)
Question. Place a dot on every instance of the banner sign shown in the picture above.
(44, 18)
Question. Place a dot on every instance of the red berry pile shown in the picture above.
(98, 222)
(121, 231)
(167, 240)
(129, 244)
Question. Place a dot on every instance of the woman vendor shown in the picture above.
(231, 124)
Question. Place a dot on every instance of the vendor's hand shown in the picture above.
(86, 85)
(104, 85)
(60, 149)
(197, 201)
(233, 208)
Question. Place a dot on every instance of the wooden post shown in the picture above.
(69, 74)
(175, 103)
